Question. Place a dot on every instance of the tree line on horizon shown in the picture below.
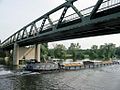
(74, 51)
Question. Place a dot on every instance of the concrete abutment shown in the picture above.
(25, 53)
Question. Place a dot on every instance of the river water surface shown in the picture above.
(103, 78)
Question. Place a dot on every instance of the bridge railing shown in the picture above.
(107, 4)
(87, 11)
(73, 16)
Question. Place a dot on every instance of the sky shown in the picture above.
(15, 14)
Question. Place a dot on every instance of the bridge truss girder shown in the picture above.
(46, 29)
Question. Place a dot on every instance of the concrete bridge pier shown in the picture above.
(37, 52)
(25, 53)
(15, 54)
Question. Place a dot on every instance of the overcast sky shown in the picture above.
(14, 14)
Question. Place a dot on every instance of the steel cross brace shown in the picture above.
(51, 23)
(42, 25)
(95, 8)
(62, 16)
(23, 33)
(70, 2)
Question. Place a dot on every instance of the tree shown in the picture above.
(60, 51)
(93, 54)
(107, 51)
(51, 53)
(44, 52)
(80, 55)
(117, 52)
(73, 50)
(94, 47)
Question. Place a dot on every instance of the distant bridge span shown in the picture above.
(101, 19)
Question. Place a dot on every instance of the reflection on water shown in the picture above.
(104, 78)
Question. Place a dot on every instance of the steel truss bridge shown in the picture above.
(100, 19)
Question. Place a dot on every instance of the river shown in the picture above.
(102, 78)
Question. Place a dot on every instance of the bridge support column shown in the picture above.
(16, 54)
(37, 52)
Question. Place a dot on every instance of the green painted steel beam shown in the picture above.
(96, 7)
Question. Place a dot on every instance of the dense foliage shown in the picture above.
(44, 52)
(74, 51)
